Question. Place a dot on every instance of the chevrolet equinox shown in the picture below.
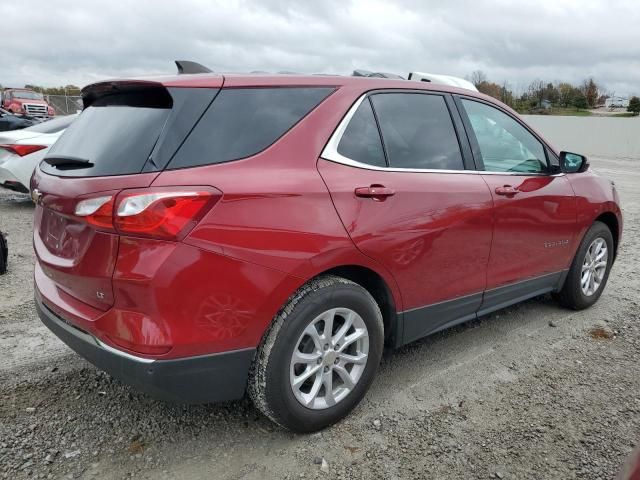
(200, 236)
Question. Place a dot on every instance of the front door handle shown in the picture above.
(377, 192)
(507, 190)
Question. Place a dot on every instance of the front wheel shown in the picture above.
(590, 269)
(320, 355)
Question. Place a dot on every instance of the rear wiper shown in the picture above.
(67, 162)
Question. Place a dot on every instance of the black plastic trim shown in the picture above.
(423, 321)
(202, 379)
(501, 297)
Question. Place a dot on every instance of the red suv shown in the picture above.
(199, 236)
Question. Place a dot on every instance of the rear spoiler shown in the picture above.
(119, 92)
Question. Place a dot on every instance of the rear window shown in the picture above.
(244, 121)
(115, 135)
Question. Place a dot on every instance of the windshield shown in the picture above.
(27, 94)
(53, 126)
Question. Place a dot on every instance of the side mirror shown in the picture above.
(573, 162)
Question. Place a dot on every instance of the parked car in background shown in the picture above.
(200, 236)
(22, 150)
(26, 102)
(10, 121)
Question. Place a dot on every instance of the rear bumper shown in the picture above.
(202, 379)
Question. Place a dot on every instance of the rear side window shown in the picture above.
(417, 131)
(244, 121)
(361, 139)
(115, 135)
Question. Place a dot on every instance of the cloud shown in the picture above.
(79, 42)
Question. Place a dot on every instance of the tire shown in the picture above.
(572, 295)
(274, 373)
(4, 254)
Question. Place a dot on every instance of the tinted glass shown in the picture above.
(116, 140)
(417, 131)
(244, 121)
(53, 126)
(361, 139)
(505, 145)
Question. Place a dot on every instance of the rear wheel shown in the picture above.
(590, 269)
(320, 355)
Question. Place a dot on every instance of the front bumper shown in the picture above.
(202, 379)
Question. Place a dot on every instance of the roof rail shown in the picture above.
(187, 67)
(442, 80)
(367, 73)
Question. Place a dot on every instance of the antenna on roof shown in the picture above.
(187, 67)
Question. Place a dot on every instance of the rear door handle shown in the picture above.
(377, 192)
(507, 190)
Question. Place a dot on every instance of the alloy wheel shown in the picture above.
(329, 358)
(594, 266)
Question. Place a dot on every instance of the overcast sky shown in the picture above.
(62, 42)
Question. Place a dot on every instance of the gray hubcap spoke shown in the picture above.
(594, 266)
(329, 358)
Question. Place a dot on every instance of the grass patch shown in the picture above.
(624, 114)
(570, 112)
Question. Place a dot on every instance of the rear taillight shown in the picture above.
(22, 150)
(97, 211)
(163, 213)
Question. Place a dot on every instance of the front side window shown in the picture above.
(417, 131)
(505, 145)
(361, 139)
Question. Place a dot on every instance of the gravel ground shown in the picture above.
(533, 391)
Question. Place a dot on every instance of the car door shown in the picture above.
(396, 172)
(534, 205)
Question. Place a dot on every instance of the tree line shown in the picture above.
(540, 94)
(69, 90)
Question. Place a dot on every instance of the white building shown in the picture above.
(616, 102)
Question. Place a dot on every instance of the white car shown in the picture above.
(22, 150)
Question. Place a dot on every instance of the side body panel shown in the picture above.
(534, 230)
(434, 235)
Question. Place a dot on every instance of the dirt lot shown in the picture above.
(534, 391)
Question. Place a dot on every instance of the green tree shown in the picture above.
(580, 102)
(634, 105)
(567, 92)
(590, 91)
(551, 93)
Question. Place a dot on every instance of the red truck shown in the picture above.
(23, 101)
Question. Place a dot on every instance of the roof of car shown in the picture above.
(215, 80)
(230, 80)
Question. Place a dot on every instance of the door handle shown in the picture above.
(507, 190)
(377, 192)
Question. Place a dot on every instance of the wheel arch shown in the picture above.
(611, 221)
(376, 285)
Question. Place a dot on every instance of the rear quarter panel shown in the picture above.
(276, 211)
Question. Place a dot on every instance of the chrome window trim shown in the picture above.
(330, 152)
